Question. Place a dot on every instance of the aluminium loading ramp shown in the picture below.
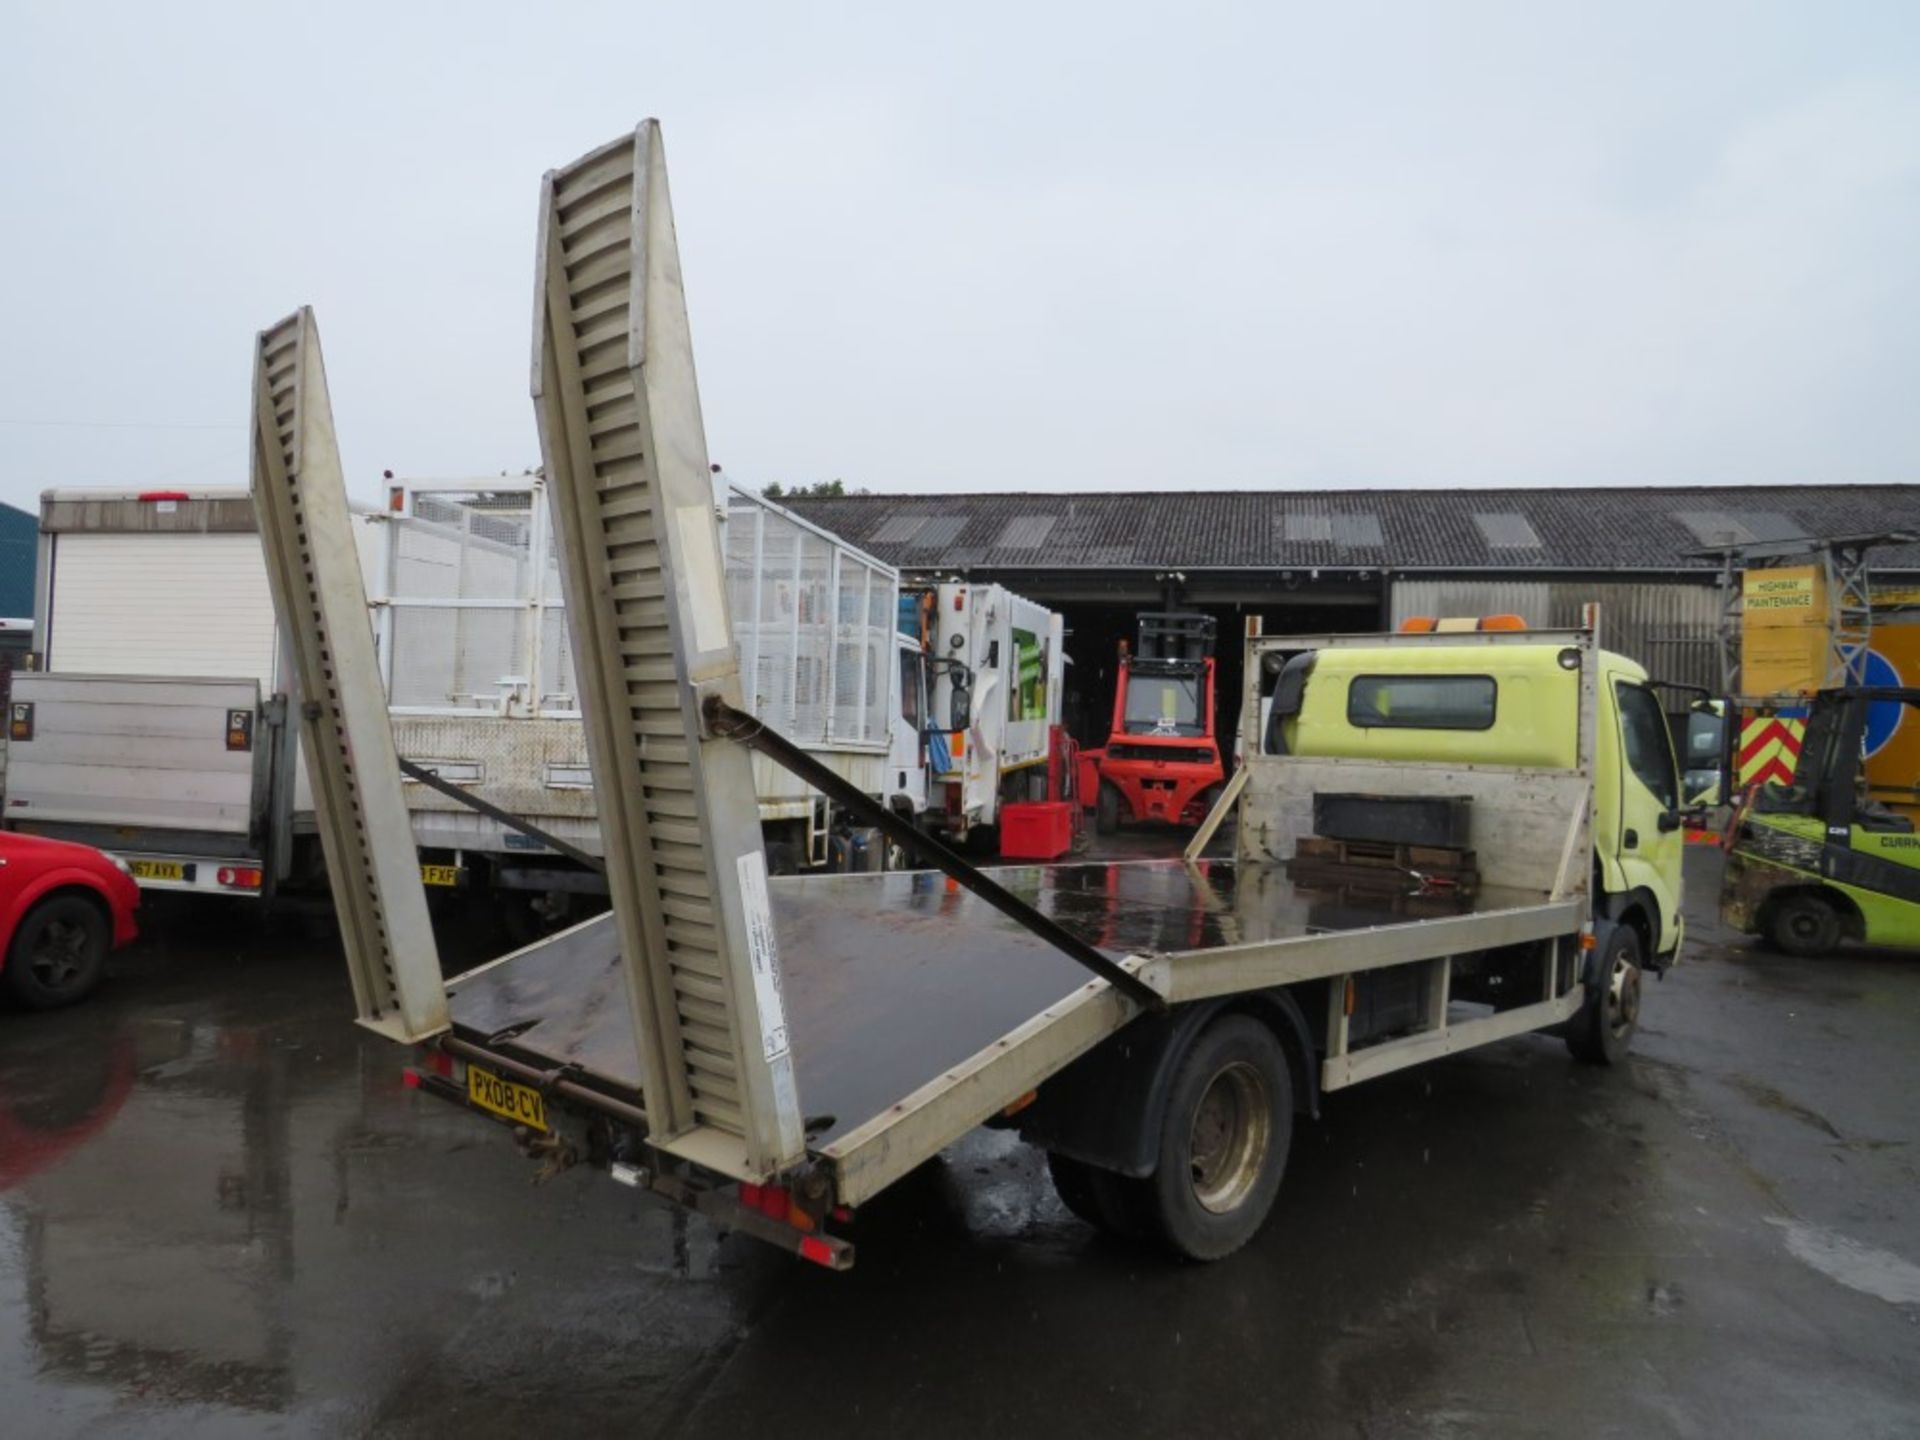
(632, 496)
(313, 571)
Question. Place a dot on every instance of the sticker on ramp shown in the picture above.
(764, 955)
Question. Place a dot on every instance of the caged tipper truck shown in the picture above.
(774, 1053)
(938, 701)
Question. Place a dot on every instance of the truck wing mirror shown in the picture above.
(1669, 821)
(959, 706)
(1290, 690)
(1289, 694)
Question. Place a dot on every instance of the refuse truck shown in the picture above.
(1441, 842)
(995, 665)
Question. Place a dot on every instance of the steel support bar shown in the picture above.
(723, 719)
(1222, 807)
(1383, 1059)
(1188, 975)
(507, 818)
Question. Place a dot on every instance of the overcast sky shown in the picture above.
(994, 246)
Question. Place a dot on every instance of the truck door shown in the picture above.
(1651, 841)
(907, 756)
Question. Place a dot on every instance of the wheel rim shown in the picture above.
(1623, 996)
(1803, 925)
(60, 954)
(1228, 1143)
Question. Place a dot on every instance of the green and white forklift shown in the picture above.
(1817, 861)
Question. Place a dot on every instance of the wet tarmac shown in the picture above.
(221, 1214)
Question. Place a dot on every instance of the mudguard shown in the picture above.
(1108, 1106)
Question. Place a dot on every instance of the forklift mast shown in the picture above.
(1171, 646)
(1833, 755)
(1174, 637)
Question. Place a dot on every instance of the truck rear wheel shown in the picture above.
(1073, 1183)
(1804, 925)
(1106, 809)
(1223, 1141)
(1602, 1031)
(1117, 1204)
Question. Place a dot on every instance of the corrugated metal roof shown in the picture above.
(1634, 528)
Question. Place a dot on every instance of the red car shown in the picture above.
(62, 908)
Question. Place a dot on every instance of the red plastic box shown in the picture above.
(1036, 829)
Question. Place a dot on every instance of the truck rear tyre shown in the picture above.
(1073, 1183)
(1602, 1031)
(1116, 1204)
(1804, 925)
(1106, 809)
(1224, 1140)
(58, 952)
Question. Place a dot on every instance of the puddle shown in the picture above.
(1879, 1273)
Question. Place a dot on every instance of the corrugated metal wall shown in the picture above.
(1671, 629)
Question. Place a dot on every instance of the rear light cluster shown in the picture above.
(240, 877)
(432, 1062)
(776, 1203)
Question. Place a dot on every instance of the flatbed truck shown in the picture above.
(777, 1053)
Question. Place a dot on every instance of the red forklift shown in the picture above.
(1161, 761)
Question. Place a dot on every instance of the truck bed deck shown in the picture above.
(892, 980)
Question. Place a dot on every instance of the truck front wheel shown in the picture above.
(1106, 809)
(1224, 1141)
(1602, 1031)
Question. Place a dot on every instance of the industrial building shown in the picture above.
(1354, 560)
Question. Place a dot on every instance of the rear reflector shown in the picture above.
(817, 1250)
(410, 1078)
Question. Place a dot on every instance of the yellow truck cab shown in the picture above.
(1451, 701)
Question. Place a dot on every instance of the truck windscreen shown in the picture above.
(1163, 705)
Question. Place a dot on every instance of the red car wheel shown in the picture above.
(58, 952)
